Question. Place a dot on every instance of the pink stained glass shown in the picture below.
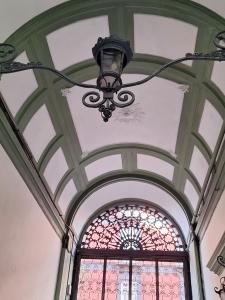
(90, 279)
(117, 280)
(171, 281)
(132, 227)
(143, 280)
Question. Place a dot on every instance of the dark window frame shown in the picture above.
(144, 255)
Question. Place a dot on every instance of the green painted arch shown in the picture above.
(120, 148)
(55, 144)
(139, 176)
(67, 12)
(192, 179)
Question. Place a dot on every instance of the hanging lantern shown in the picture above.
(112, 55)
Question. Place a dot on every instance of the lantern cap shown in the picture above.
(112, 42)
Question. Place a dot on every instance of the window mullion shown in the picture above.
(157, 278)
(103, 279)
(130, 280)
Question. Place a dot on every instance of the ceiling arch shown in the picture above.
(129, 189)
(171, 132)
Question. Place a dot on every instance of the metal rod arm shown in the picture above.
(13, 66)
(213, 56)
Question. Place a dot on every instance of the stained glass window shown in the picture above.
(132, 227)
(132, 252)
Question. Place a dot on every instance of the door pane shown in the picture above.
(143, 280)
(171, 281)
(90, 279)
(117, 280)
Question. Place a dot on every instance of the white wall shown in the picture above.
(209, 243)
(29, 247)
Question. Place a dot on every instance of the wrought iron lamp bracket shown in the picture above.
(221, 291)
(92, 99)
(108, 104)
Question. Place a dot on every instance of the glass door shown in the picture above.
(130, 279)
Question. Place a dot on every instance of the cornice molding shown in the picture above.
(213, 264)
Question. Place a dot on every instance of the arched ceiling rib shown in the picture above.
(129, 189)
(170, 132)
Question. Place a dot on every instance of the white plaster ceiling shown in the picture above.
(155, 121)
(218, 75)
(39, 132)
(210, 124)
(163, 36)
(218, 6)
(17, 87)
(55, 169)
(14, 14)
(103, 165)
(66, 196)
(81, 36)
(155, 165)
(129, 189)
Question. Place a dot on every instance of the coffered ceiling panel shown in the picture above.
(210, 125)
(17, 87)
(199, 165)
(129, 189)
(155, 165)
(154, 121)
(159, 122)
(73, 43)
(39, 132)
(163, 36)
(67, 195)
(218, 6)
(20, 12)
(191, 194)
(55, 169)
(103, 165)
(218, 75)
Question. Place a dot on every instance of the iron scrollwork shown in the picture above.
(7, 53)
(219, 40)
(221, 291)
(107, 105)
(221, 260)
(125, 98)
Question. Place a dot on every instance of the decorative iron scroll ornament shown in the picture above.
(112, 55)
(132, 227)
(221, 291)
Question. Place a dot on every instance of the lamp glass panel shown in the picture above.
(111, 67)
(111, 61)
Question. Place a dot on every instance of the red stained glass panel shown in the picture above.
(171, 281)
(117, 280)
(143, 280)
(90, 279)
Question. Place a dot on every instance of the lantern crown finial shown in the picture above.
(112, 42)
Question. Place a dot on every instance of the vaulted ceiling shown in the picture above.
(161, 149)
